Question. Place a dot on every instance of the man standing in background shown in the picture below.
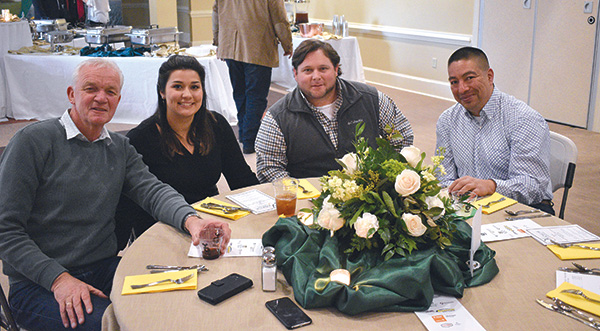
(247, 33)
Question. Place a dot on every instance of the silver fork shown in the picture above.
(487, 205)
(305, 191)
(575, 245)
(176, 281)
(580, 293)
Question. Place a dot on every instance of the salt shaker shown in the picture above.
(269, 272)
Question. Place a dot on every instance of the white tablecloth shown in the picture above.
(347, 48)
(13, 35)
(38, 86)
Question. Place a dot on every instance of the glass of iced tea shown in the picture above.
(286, 190)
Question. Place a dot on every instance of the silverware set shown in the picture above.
(155, 268)
(575, 245)
(223, 208)
(562, 308)
(515, 215)
(581, 269)
(167, 280)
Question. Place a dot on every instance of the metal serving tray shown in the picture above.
(153, 36)
(101, 35)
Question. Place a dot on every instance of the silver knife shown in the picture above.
(566, 313)
(526, 217)
(592, 272)
(175, 268)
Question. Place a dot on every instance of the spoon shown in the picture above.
(519, 212)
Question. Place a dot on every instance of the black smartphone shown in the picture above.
(222, 289)
(288, 313)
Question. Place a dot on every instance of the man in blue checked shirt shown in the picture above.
(493, 142)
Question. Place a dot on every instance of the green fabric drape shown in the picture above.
(25, 5)
(307, 256)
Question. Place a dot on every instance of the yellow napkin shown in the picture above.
(191, 284)
(496, 206)
(218, 212)
(314, 193)
(576, 300)
(574, 252)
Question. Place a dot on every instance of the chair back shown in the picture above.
(563, 158)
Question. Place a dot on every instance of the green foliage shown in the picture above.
(375, 178)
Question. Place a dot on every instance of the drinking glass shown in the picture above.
(286, 190)
(210, 241)
(461, 202)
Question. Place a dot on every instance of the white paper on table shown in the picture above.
(563, 234)
(236, 248)
(475, 238)
(586, 281)
(447, 313)
(507, 230)
(254, 200)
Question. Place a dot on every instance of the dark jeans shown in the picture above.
(251, 84)
(34, 307)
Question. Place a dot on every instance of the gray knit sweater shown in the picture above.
(58, 199)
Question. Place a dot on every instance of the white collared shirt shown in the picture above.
(73, 132)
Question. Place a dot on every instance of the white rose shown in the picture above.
(414, 225)
(444, 193)
(435, 202)
(365, 223)
(412, 155)
(351, 162)
(407, 182)
(329, 217)
(306, 218)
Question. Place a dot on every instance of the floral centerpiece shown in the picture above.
(383, 236)
(385, 200)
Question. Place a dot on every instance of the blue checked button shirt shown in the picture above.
(271, 159)
(509, 143)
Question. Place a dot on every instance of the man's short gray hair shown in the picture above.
(97, 63)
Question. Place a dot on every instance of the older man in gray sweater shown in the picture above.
(61, 180)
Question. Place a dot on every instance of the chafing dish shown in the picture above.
(42, 27)
(153, 36)
(60, 36)
(107, 35)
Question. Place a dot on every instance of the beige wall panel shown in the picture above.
(436, 15)
(506, 37)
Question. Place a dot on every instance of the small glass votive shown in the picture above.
(341, 276)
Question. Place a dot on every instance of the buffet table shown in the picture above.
(347, 48)
(13, 35)
(38, 86)
(527, 272)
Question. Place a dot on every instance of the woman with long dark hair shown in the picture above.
(184, 144)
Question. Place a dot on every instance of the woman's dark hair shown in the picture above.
(201, 134)
(312, 45)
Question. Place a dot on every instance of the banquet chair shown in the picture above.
(563, 157)
(6, 319)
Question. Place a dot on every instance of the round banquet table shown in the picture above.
(13, 35)
(527, 272)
